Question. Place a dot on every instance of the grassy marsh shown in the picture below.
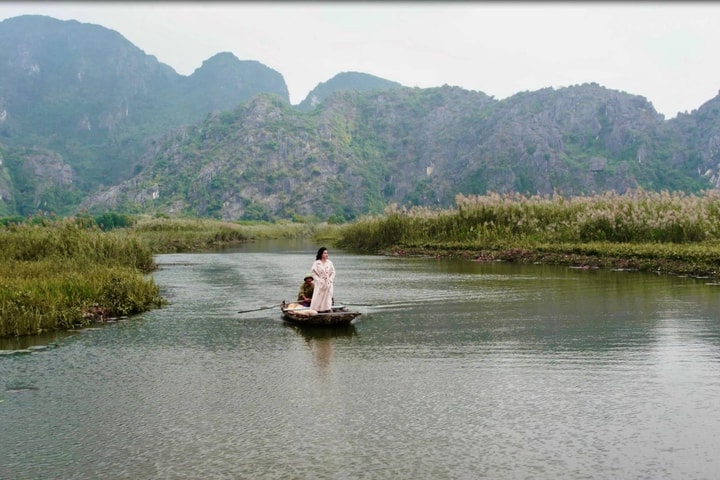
(63, 274)
(66, 273)
(649, 231)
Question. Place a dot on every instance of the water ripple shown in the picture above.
(457, 370)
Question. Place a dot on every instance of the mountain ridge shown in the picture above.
(117, 129)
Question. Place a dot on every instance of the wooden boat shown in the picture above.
(300, 315)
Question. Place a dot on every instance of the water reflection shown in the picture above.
(318, 332)
(320, 342)
(32, 342)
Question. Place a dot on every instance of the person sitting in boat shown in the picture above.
(306, 291)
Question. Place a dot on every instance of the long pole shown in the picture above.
(261, 308)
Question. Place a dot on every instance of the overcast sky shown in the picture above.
(664, 51)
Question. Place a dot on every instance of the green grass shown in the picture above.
(62, 274)
(186, 235)
(643, 230)
(66, 274)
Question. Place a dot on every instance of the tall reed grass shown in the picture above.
(684, 227)
(638, 216)
(58, 274)
(67, 273)
(185, 235)
(70, 238)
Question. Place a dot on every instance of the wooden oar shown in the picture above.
(261, 308)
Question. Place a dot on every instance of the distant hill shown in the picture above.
(223, 81)
(344, 81)
(359, 151)
(87, 93)
(89, 121)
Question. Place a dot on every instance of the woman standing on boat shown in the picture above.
(323, 273)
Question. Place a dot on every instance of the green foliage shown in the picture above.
(13, 220)
(76, 238)
(481, 221)
(422, 194)
(474, 182)
(69, 273)
(256, 211)
(62, 274)
(59, 199)
(52, 294)
(165, 235)
(111, 220)
(525, 181)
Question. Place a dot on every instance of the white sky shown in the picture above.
(664, 51)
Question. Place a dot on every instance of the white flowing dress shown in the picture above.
(323, 275)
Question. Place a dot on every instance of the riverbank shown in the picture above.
(64, 274)
(75, 272)
(61, 274)
(673, 233)
(589, 257)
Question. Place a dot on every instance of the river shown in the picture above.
(455, 370)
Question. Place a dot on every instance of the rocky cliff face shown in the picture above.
(699, 135)
(32, 178)
(575, 140)
(359, 151)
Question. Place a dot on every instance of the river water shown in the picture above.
(455, 370)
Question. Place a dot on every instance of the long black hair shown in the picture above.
(319, 254)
